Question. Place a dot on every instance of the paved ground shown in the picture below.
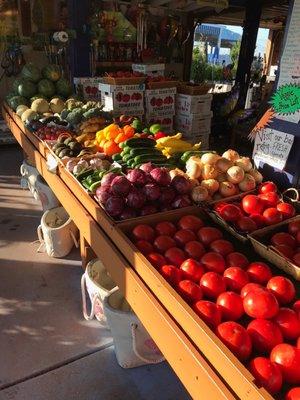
(48, 351)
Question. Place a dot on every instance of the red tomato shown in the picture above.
(156, 259)
(286, 209)
(298, 343)
(144, 247)
(248, 288)
(283, 238)
(296, 307)
(194, 249)
(294, 227)
(298, 238)
(246, 224)
(175, 256)
(272, 216)
(267, 187)
(282, 288)
(221, 246)
(171, 274)
(237, 259)
(192, 269)
(252, 204)
(231, 306)
(190, 222)
(190, 291)
(266, 374)
(235, 278)
(288, 359)
(208, 312)
(230, 213)
(218, 206)
(286, 251)
(184, 236)
(270, 199)
(208, 234)
(296, 259)
(213, 262)
(236, 338)
(144, 232)
(212, 285)
(163, 243)
(293, 394)
(165, 228)
(260, 303)
(259, 220)
(289, 323)
(264, 335)
(259, 272)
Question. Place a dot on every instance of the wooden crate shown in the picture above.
(260, 240)
(162, 85)
(123, 81)
(193, 89)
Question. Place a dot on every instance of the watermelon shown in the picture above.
(16, 101)
(52, 72)
(27, 89)
(9, 96)
(16, 84)
(31, 72)
(46, 88)
(63, 87)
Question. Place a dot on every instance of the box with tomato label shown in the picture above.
(165, 121)
(191, 104)
(88, 88)
(193, 123)
(149, 69)
(122, 98)
(160, 101)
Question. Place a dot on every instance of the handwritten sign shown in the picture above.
(286, 99)
(272, 147)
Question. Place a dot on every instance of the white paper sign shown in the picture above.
(272, 147)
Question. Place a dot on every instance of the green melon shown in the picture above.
(63, 87)
(46, 88)
(27, 89)
(40, 105)
(16, 101)
(31, 72)
(10, 96)
(29, 115)
(57, 105)
(52, 72)
(20, 109)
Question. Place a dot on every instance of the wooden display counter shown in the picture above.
(205, 366)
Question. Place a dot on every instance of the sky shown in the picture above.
(261, 37)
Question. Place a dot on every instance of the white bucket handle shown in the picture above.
(76, 242)
(40, 238)
(134, 327)
(22, 169)
(87, 316)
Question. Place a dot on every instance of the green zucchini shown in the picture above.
(137, 142)
(117, 157)
(83, 174)
(126, 157)
(144, 150)
(150, 157)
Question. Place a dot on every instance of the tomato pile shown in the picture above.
(256, 211)
(252, 312)
(288, 243)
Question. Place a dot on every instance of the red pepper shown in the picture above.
(159, 135)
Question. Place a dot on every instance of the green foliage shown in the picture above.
(201, 71)
(234, 52)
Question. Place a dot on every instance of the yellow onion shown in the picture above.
(256, 175)
(209, 172)
(209, 158)
(211, 185)
(231, 155)
(222, 177)
(245, 163)
(248, 183)
(176, 171)
(227, 189)
(193, 167)
(199, 193)
(235, 174)
(223, 164)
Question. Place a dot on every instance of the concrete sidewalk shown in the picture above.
(48, 351)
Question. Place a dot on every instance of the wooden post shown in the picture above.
(251, 25)
(188, 50)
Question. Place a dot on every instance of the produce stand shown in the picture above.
(205, 366)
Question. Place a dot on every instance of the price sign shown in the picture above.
(272, 147)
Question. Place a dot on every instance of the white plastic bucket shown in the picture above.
(133, 345)
(58, 240)
(98, 284)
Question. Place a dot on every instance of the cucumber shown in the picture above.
(146, 158)
(144, 150)
(126, 157)
(94, 186)
(85, 184)
(136, 142)
(84, 174)
(117, 157)
(130, 161)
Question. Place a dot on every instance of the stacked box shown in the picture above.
(88, 88)
(149, 69)
(193, 117)
(160, 107)
(123, 99)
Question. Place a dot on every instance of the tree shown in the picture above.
(234, 52)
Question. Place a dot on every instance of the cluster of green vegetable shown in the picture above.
(91, 179)
(137, 151)
(77, 111)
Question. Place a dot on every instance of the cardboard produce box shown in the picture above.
(149, 69)
(166, 121)
(160, 101)
(193, 123)
(189, 104)
(88, 87)
(204, 139)
(122, 98)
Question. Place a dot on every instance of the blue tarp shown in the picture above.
(216, 30)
